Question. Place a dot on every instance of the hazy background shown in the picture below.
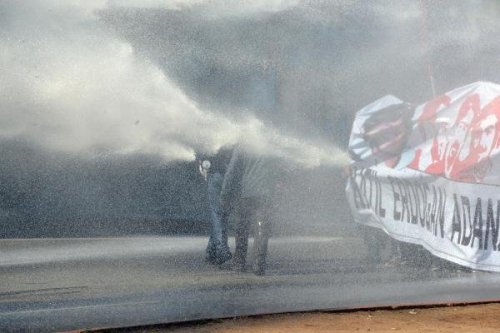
(103, 104)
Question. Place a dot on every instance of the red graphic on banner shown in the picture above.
(460, 149)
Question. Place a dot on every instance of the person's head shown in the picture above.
(481, 139)
(387, 130)
(441, 139)
(484, 134)
(461, 128)
(467, 114)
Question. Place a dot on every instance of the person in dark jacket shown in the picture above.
(252, 179)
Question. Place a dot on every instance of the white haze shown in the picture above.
(214, 8)
(68, 84)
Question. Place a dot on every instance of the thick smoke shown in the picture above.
(67, 83)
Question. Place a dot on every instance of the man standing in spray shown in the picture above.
(213, 169)
(252, 178)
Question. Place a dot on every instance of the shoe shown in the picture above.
(259, 270)
(210, 252)
(222, 254)
(217, 254)
(238, 264)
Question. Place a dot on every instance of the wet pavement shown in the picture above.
(66, 284)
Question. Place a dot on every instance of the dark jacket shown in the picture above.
(250, 176)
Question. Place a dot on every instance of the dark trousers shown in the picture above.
(253, 215)
(217, 251)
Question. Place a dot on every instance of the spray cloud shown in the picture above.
(70, 84)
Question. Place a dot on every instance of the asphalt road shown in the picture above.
(68, 284)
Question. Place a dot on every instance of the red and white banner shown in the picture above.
(430, 175)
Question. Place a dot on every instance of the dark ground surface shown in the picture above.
(68, 284)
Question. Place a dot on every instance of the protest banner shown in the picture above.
(430, 175)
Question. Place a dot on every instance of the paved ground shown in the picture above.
(64, 284)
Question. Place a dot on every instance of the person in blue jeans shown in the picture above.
(213, 169)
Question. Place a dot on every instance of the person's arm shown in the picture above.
(203, 164)
(231, 185)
